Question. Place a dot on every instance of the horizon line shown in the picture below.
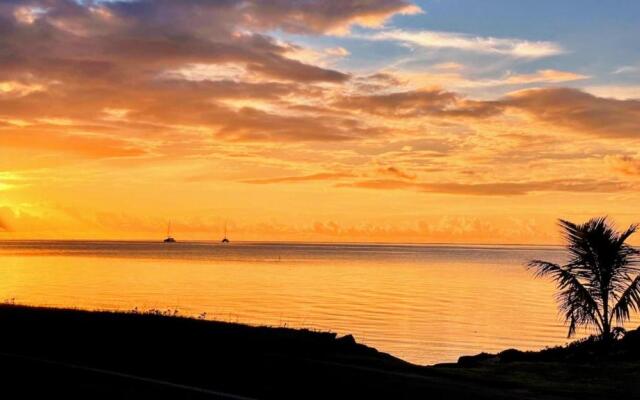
(290, 242)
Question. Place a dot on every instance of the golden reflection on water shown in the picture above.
(422, 313)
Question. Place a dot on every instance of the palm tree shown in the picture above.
(601, 281)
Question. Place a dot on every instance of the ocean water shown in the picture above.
(423, 303)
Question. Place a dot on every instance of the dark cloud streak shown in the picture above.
(493, 188)
(564, 107)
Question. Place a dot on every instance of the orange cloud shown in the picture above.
(418, 103)
(564, 107)
(69, 41)
(505, 46)
(89, 146)
(318, 16)
(494, 188)
(323, 176)
(627, 165)
(579, 111)
(250, 124)
(545, 75)
(396, 173)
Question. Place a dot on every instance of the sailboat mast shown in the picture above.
(169, 239)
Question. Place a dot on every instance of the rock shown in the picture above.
(469, 361)
(347, 340)
(511, 355)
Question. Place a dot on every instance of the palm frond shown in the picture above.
(629, 300)
(583, 254)
(626, 234)
(600, 257)
(574, 299)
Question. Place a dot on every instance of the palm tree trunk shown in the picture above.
(606, 324)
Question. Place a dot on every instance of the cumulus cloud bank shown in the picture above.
(198, 91)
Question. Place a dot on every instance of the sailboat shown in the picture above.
(225, 240)
(169, 239)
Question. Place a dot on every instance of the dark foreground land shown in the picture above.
(50, 353)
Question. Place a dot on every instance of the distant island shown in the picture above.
(83, 354)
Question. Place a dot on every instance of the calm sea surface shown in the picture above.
(425, 304)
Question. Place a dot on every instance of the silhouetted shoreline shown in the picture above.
(82, 354)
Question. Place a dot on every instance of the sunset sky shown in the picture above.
(384, 120)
